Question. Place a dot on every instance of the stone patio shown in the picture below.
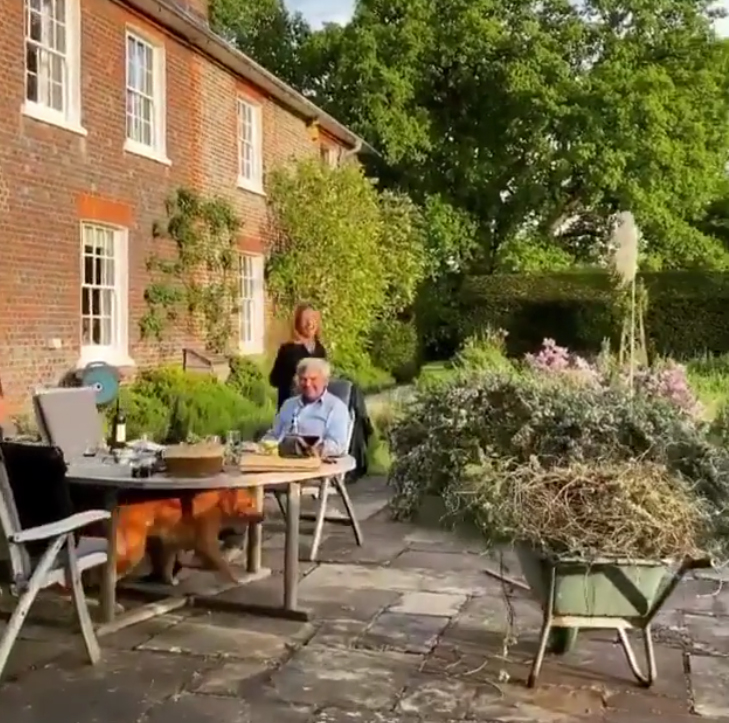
(406, 629)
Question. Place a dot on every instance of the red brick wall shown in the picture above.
(51, 178)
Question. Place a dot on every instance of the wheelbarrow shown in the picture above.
(602, 594)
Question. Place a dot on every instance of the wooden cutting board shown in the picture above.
(252, 462)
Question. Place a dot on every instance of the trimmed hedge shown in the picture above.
(688, 311)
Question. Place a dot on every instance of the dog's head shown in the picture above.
(238, 503)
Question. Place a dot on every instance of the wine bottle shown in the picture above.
(118, 428)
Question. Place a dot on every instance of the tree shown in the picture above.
(356, 254)
(267, 32)
(527, 115)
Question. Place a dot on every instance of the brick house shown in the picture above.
(118, 104)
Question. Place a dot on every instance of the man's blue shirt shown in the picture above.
(326, 418)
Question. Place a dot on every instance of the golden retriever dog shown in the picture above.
(173, 526)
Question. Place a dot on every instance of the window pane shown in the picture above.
(99, 308)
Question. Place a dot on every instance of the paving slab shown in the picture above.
(122, 688)
(206, 709)
(432, 559)
(407, 633)
(328, 602)
(234, 679)
(707, 634)
(437, 698)
(223, 636)
(545, 704)
(359, 577)
(340, 633)
(337, 715)
(710, 685)
(429, 603)
(343, 548)
(348, 679)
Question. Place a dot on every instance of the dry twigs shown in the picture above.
(633, 510)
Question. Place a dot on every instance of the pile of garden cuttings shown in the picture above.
(636, 510)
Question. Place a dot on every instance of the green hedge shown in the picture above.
(205, 406)
(688, 311)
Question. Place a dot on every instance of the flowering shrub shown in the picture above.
(497, 425)
(553, 358)
(668, 382)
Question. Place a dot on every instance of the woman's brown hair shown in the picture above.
(300, 310)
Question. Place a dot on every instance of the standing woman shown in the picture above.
(305, 343)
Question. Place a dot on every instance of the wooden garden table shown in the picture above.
(116, 480)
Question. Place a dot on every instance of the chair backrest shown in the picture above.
(33, 492)
(16, 557)
(69, 419)
(342, 388)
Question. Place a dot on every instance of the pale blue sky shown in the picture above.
(318, 12)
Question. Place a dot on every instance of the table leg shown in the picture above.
(291, 557)
(255, 537)
(108, 583)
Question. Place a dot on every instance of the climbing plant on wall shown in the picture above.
(195, 277)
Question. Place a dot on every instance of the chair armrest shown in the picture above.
(62, 527)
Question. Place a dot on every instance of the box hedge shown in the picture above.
(688, 311)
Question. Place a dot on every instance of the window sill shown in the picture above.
(251, 186)
(138, 149)
(112, 357)
(51, 117)
(249, 349)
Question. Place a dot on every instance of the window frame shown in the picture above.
(255, 182)
(117, 352)
(157, 151)
(70, 117)
(329, 155)
(256, 343)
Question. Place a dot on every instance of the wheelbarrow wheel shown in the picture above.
(562, 640)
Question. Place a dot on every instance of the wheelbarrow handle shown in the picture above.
(701, 563)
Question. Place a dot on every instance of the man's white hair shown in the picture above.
(314, 364)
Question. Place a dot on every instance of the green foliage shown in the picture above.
(204, 405)
(356, 365)
(328, 252)
(516, 421)
(451, 236)
(403, 244)
(523, 116)
(484, 352)
(249, 380)
(267, 32)
(356, 255)
(685, 316)
(395, 347)
(201, 281)
(532, 256)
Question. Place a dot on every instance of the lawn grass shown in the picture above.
(709, 378)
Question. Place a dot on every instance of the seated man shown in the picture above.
(314, 413)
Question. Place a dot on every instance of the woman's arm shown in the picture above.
(274, 378)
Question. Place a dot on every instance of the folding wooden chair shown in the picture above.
(39, 530)
(323, 488)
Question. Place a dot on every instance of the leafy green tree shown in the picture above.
(357, 255)
(526, 114)
(266, 31)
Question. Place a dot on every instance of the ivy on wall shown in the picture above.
(200, 282)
